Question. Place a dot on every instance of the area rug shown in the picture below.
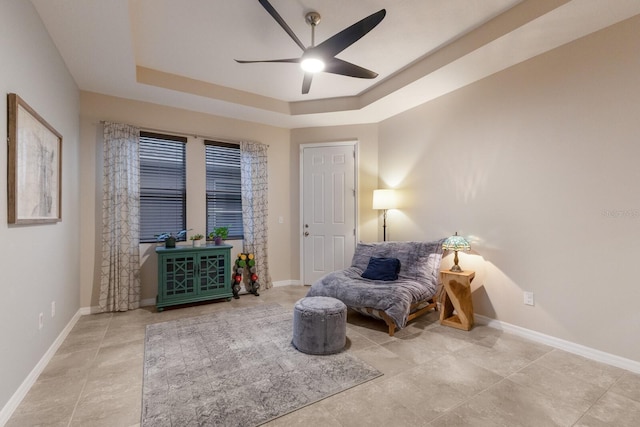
(236, 367)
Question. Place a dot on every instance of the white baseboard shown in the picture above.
(285, 283)
(571, 347)
(86, 310)
(28, 382)
(94, 309)
(147, 302)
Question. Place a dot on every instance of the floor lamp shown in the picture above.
(384, 200)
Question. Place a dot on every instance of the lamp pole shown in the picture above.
(384, 225)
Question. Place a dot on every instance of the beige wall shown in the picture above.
(538, 167)
(39, 263)
(95, 107)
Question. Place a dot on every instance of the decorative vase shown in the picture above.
(217, 240)
(170, 242)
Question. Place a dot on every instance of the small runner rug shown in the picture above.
(236, 367)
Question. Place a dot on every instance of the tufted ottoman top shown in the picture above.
(324, 305)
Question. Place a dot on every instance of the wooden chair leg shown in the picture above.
(390, 323)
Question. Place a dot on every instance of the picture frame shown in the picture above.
(34, 172)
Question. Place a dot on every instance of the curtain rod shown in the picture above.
(211, 138)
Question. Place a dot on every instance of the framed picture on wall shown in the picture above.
(34, 166)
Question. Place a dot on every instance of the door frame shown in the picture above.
(356, 167)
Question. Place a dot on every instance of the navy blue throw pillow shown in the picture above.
(382, 269)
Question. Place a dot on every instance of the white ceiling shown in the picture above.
(181, 52)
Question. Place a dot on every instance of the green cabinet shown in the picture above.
(189, 274)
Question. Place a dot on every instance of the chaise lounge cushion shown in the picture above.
(417, 278)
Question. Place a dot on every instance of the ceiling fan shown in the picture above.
(322, 57)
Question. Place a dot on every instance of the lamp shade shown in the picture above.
(384, 199)
(456, 243)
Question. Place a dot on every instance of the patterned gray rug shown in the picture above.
(236, 368)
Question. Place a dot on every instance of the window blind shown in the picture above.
(224, 202)
(162, 185)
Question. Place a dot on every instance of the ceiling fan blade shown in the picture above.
(345, 38)
(242, 61)
(282, 23)
(306, 83)
(338, 66)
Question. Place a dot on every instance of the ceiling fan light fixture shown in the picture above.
(312, 65)
(323, 56)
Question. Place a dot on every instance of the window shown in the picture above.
(224, 203)
(162, 185)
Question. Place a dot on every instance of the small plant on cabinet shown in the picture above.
(196, 239)
(219, 234)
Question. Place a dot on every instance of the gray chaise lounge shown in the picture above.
(398, 301)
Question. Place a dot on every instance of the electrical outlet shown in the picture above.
(53, 308)
(528, 298)
(40, 321)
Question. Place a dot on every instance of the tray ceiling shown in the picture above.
(181, 53)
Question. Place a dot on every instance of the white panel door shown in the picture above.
(328, 209)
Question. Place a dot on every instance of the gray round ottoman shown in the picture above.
(319, 325)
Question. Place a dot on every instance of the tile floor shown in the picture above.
(433, 376)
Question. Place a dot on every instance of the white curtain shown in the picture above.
(120, 277)
(255, 208)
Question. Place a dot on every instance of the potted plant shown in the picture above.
(170, 239)
(219, 234)
(195, 239)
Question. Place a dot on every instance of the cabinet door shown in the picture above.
(213, 266)
(180, 275)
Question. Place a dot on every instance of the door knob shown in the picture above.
(306, 233)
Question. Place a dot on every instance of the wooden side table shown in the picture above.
(457, 295)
